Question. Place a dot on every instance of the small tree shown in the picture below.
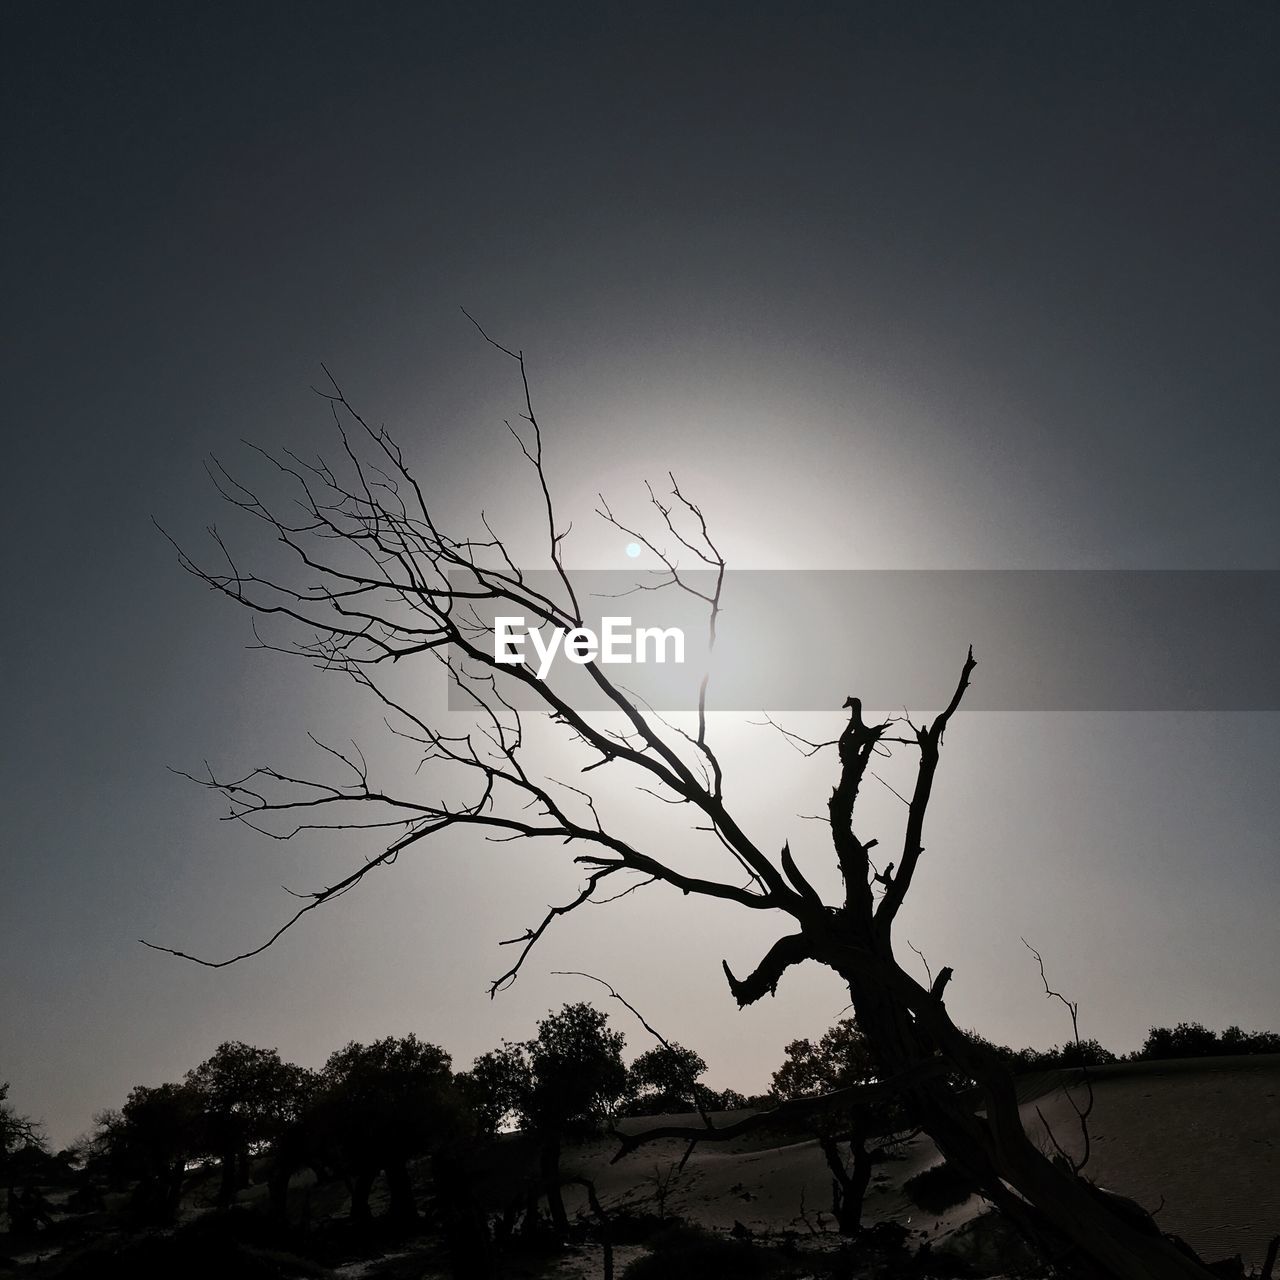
(17, 1133)
(665, 1078)
(1186, 1040)
(840, 1061)
(567, 1082)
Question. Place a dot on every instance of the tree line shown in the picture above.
(374, 1109)
(371, 1109)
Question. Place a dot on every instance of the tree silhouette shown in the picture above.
(153, 1136)
(380, 1105)
(377, 581)
(23, 1150)
(16, 1131)
(1192, 1040)
(567, 1082)
(665, 1078)
(833, 1066)
(248, 1096)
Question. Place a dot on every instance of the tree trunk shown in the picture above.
(463, 1222)
(849, 1181)
(227, 1187)
(1058, 1211)
(550, 1161)
(361, 1186)
(171, 1189)
(278, 1192)
(403, 1209)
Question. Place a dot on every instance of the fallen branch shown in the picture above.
(859, 1094)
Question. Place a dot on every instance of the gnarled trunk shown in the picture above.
(849, 1182)
(907, 1025)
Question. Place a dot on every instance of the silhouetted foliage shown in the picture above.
(570, 1078)
(248, 1096)
(664, 1079)
(1086, 1053)
(18, 1134)
(938, 1188)
(380, 1105)
(1192, 1040)
(567, 1082)
(840, 1060)
(497, 1086)
(690, 1253)
(153, 1136)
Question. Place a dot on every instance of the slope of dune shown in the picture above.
(1197, 1142)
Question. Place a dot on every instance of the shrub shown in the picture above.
(690, 1253)
(939, 1188)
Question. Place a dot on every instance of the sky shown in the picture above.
(886, 285)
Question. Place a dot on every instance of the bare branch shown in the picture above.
(859, 1094)
(929, 741)
(690, 1081)
(1082, 1112)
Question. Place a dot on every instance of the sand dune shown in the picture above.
(1198, 1141)
(1202, 1136)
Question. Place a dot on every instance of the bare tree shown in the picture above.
(378, 581)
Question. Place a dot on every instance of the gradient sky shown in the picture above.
(885, 284)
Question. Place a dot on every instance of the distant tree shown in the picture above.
(101, 1151)
(496, 1086)
(725, 1100)
(1186, 1040)
(379, 1106)
(837, 1062)
(665, 1079)
(247, 1096)
(839, 1059)
(17, 1132)
(567, 1082)
(1236, 1040)
(1194, 1040)
(287, 1126)
(1083, 1053)
(153, 1136)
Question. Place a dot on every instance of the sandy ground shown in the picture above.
(1202, 1137)
(1198, 1142)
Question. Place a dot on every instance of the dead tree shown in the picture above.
(378, 582)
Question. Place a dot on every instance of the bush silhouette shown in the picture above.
(690, 1253)
(939, 1188)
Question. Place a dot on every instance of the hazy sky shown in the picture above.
(885, 284)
